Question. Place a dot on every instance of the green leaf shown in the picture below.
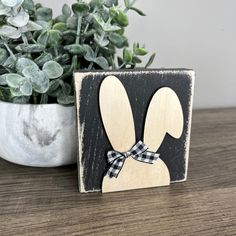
(76, 49)
(102, 62)
(122, 19)
(10, 63)
(60, 26)
(98, 19)
(90, 55)
(66, 88)
(44, 24)
(3, 55)
(140, 51)
(43, 38)
(60, 19)
(151, 59)
(23, 63)
(30, 48)
(43, 14)
(69, 36)
(127, 55)
(31, 26)
(127, 3)
(59, 89)
(100, 40)
(94, 4)
(71, 22)
(137, 10)
(31, 72)
(43, 58)
(106, 26)
(54, 37)
(41, 85)
(9, 32)
(80, 9)
(15, 92)
(63, 59)
(118, 40)
(39, 79)
(121, 31)
(110, 3)
(20, 20)
(66, 10)
(113, 12)
(110, 28)
(3, 80)
(26, 88)
(21, 100)
(4, 10)
(53, 87)
(53, 69)
(28, 5)
(14, 80)
(18, 4)
(38, 5)
(10, 3)
(66, 100)
(137, 59)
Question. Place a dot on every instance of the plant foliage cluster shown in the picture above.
(39, 53)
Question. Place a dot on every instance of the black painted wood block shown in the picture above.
(140, 86)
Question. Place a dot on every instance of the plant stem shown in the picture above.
(113, 63)
(97, 49)
(121, 66)
(24, 38)
(35, 98)
(126, 9)
(75, 58)
(55, 51)
(78, 29)
(10, 51)
(86, 27)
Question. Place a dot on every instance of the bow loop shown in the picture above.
(112, 156)
(138, 152)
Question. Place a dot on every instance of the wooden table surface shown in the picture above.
(36, 201)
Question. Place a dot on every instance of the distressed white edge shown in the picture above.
(79, 76)
(83, 75)
(192, 77)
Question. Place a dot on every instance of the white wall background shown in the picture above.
(197, 34)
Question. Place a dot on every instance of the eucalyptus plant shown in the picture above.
(39, 53)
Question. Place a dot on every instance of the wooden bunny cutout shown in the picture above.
(164, 115)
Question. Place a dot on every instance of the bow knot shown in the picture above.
(138, 152)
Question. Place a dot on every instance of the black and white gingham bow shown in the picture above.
(138, 152)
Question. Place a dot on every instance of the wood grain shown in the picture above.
(137, 89)
(46, 202)
(164, 115)
(116, 113)
(165, 112)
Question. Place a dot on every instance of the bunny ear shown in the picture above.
(165, 115)
(116, 114)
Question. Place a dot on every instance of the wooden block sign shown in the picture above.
(133, 128)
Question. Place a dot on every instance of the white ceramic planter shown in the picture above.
(38, 135)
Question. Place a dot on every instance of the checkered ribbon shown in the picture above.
(138, 152)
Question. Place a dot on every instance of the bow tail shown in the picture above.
(147, 157)
(116, 167)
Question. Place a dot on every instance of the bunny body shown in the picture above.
(118, 121)
(136, 175)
